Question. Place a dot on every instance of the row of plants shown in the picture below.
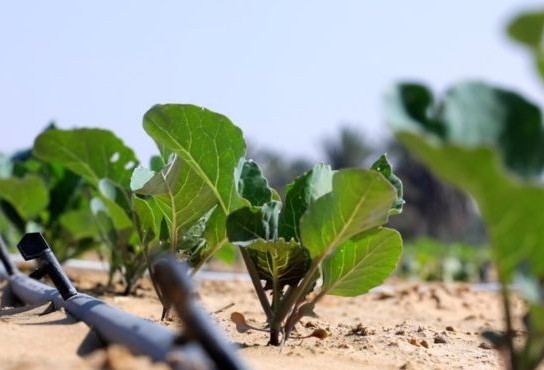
(39, 196)
(199, 197)
(430, 260)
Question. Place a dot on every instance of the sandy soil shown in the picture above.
(411, 326)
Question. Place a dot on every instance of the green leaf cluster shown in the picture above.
(195, 188)
(105, 164)
(330, 225)
(39, 196)
(490, 145)
(201, 197)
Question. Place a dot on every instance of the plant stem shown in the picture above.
(164, 303)
(275, 336)
(512, 360)
(252, 270)
(289, 300)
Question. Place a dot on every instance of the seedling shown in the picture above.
(180, 204)
(327, 238)
(40, 196)
(106, 164)
(201, 196)
(192, 184)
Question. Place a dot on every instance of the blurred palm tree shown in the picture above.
(349, 149)
(279, 170)
(432, 208)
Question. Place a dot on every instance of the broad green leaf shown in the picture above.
(477, 114)
(362, 263)
(360, 200)
(474, 114)
(382, 166)
(528, 28)
(249, 223)
(512, 211)
(119, 219)
(206, 141)
(279, 262)
(149, 218)
(65, 189)
(104, 222)
(251, 183)
(416, 110)
(117, 200)
(28, 196)
(181, 195)
(94, 154)
(80, 223)
(300, 194)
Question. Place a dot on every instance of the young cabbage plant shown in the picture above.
(326, 238)
(489, 142)
(106, 165)
(38, 196)
(193, 182)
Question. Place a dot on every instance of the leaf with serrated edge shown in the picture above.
(360, 200)
(383, 166)
(301, 193)
(362, 263)
(251, 183)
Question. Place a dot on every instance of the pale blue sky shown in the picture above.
(287, 72)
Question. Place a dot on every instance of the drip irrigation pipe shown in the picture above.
(113, 325)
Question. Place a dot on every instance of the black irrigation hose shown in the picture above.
(173, 280)
(141, 336)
